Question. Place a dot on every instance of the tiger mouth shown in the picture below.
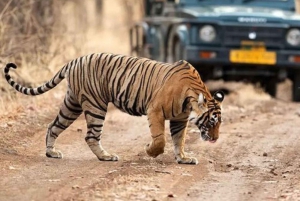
(206, 137)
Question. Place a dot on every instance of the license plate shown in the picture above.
(253, 57)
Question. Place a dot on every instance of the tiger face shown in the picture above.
(210, 120)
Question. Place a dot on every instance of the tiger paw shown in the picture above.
(52, 153)
(109, 157)
(153, 152)
(187, 160)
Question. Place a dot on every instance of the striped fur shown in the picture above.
(137, 86)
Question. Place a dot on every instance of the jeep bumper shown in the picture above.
(221, 56)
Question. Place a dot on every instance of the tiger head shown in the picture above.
(210, 120)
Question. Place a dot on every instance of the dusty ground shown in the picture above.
(256, 158)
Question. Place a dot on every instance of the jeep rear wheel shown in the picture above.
(177, 51)
(296, 86)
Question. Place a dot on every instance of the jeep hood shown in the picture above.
(231, 12)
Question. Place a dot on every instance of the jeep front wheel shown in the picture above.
(270, 86)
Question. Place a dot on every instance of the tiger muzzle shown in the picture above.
(205, 135)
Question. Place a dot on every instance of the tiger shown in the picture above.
(137, 86)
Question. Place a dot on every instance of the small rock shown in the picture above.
(229, 165)
(186, 174)
(163, 171)
(272, 171)
(112, 171)
(31, 108)
(265, 154)
(75, 187)
(171, 195)
(54, 180)
(79, 130)
(10, 123)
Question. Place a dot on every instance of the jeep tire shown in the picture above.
(270, 86)
(177, 51)
(296, 86)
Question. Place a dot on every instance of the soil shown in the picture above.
(256, 157)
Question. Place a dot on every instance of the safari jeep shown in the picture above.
(256, 40)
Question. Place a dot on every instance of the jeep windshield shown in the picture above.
(279, 4)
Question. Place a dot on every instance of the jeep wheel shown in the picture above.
(296, 86)
(270, 86)
(177, 51)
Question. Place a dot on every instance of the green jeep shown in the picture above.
(256, 40)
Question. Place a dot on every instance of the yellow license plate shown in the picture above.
(252, 57)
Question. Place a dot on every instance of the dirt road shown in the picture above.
(256, 158)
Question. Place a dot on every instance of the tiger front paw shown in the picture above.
(108, 157)
(153, 152)
(187, 160)
(52, 153)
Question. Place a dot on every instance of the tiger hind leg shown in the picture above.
(95, 119)
(69, 112)
(178, 132)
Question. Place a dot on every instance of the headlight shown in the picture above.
(207, 33)
(293, 37)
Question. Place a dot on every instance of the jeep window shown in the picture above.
(263, 0)
(279, 4)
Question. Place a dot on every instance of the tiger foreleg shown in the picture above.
(94, 131)
(98, 150)
(178, 132)
(157, 127)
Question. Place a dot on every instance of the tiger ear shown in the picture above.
(219, 96)
(201, 99)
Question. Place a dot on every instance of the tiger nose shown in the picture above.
(215, 138)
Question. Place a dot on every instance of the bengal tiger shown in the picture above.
(137, 86)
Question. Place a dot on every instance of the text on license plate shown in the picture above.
(252, 57)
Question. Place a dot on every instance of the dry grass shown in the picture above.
(40, 36)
